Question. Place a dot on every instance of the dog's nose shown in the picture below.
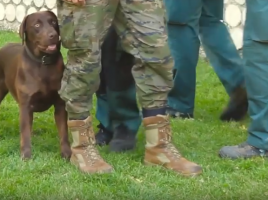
(51, 35)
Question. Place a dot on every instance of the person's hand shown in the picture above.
(78, 2)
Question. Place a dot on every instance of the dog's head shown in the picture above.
(40, 32)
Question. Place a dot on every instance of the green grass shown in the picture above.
(47, 176)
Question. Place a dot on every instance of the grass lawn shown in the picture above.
(48, 177)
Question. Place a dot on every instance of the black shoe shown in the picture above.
(237, 107)
(103, 137)
(123, 139)
(243, 150)
(175, 114)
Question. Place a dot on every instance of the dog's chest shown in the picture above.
(48, 80)
(40, 102)
(45, 92)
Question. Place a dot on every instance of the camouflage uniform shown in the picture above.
(140, 26)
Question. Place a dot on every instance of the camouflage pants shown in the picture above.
(140, 25)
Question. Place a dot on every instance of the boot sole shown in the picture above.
(183, 174)
(75, 163)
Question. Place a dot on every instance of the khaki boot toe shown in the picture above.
(186, 167)
(91, 167)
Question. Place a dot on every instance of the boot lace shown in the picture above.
(90, 150)
(170, 148)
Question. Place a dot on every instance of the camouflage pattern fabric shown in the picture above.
(140, 25)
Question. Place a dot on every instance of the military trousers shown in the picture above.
(140, 26)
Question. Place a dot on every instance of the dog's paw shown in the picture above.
(26, 155)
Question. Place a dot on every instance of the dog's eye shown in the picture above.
(37, 25)
(54, 22)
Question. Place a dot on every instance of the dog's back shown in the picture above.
(10, 57)
(9, 54)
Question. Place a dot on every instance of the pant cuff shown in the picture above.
(77, 116)
(153, 112)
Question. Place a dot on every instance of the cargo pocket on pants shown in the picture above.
(80, 26)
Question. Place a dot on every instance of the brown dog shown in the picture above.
(32, 73)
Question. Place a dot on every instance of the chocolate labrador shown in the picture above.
(32, 73)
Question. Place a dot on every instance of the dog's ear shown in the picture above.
(53, 14)
(22, 31)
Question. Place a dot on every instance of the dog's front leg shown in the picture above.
(60, 115)
(26, 121)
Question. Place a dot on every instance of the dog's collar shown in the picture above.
(44, 60)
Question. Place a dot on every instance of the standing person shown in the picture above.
(186, 20)
(117, 108)
(255, 55)
(140, 26)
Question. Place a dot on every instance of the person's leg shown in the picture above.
(140, 25)
(124, 115)
(82, 31)
(105, 133)
(224, 58)
(255, 54)
(182, 26)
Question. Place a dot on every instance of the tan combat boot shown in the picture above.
(160, 151)
(84, 152)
